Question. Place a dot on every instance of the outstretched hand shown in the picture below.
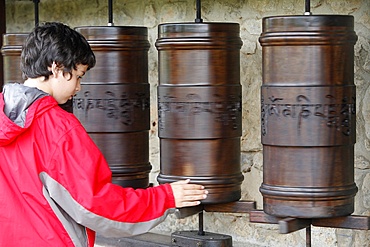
(186, 194)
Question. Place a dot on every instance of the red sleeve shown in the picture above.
(79, 167)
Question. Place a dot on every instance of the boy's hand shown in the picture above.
(186, 194)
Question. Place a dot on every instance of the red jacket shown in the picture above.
(55, 185)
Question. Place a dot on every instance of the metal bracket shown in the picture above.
(192, 238)
(288, 225)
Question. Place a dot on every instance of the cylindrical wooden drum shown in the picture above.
(114, 104)
(11, 51)
(308, 116)
(199, 106)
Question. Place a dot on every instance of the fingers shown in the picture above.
(182, 181)
(187, 194)
(188, 204)
(189, 200)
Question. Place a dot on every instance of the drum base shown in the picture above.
(308, 209)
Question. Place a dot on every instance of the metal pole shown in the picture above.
(110, 13)
(2, 32)
(36, 3)
(199, 19)
(201, 229)
(308, 236)
(307, 10)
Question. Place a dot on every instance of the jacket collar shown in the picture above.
(19, 106)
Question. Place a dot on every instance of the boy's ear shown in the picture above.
(55, 70)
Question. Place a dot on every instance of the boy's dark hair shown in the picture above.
(54, 42)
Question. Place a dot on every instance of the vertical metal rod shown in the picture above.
(308, 236)
(201, 229)
(36, 4)
(2, 31)
(110, 13)
(199, 11)
(307, 9)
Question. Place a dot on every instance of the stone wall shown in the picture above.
(248, 13)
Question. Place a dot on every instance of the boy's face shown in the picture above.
(66, 86)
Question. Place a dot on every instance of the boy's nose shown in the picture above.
(78, 87)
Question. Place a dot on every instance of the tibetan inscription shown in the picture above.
(308, 114)
(199, 114)
(118, 108)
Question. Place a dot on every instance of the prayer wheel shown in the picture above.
(114, 104)
(11, 51)
(308, 115)
(199, 107)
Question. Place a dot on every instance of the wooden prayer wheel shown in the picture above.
(199, 107)
(11, 51)
(114, 104)
(308, 115)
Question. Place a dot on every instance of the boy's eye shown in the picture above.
(79, 77)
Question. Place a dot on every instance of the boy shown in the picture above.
(55, 184)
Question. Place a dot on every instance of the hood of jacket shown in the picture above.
(19, 106)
